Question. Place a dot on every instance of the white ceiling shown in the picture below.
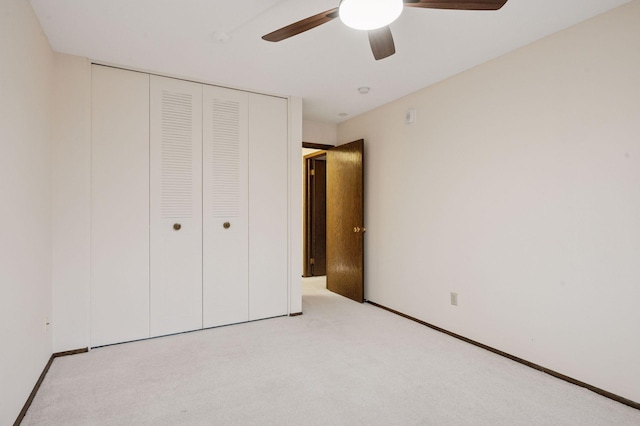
(324, 66)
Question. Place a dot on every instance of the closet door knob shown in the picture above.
(177, 226)
(226, 225)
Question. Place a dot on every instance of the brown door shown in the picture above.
(315, 216)
(345, 220)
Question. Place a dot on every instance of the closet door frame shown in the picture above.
(294, 249)
(294, 197)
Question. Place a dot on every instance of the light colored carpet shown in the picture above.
(341, 363)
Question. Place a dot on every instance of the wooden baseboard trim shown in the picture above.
(73, 352)
(295, 314)
(33, 393)
(530, 364)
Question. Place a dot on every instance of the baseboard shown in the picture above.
(295, 314)
(33, 393)
(530, 364)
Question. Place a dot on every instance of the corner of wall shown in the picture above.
(26, 108)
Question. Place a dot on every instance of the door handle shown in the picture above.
(177, 226)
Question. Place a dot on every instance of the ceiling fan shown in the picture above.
(375, 16)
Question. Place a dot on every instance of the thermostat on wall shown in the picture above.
(410, 117)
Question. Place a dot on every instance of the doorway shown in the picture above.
(314, 210)
(315, 198)
(333, 217)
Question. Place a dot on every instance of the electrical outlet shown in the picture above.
(454, 299)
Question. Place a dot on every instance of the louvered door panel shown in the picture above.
(176, 206)
(225, 193)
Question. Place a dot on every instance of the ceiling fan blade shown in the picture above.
(381, 42)
(457, 5)
(302, 25)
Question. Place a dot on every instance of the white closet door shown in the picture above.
(119, 206)
(268, 194)
(225, 207)
(176, 206)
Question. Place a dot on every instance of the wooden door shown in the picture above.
(345, 220)
(176, 206)
(315, 202)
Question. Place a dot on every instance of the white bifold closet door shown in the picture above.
(268, 211)
(225, 284)
(189, 206)
(119, 205)
(176, 206)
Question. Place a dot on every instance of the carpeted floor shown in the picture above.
(341, 363)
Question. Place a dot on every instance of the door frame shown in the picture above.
(307, 213)
(312, 145)
(301, 213)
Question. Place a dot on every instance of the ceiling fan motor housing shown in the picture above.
(369, 14)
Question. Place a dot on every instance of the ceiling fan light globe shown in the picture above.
(369, 14)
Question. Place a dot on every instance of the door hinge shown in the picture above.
(312, 172)
(312, 261)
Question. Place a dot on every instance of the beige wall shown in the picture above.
(519, 188)
(318, 132)
(26, 74)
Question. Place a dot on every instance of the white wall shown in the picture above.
(519, 188)
(71, 202)
(25, 210)
(296, 130)
(318, 132)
